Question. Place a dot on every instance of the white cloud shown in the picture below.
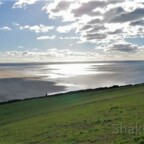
(46, 37)
(56, 55)
(59, 8)
(68, 38)
(37, 28)
(103, 22)
(99, 21)
(64, 29)
(69, 54)
(23, 3)
(52, 54)
(5, 28)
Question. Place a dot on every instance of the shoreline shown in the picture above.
(71, 92)
(26, 81)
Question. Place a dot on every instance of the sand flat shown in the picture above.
(20, 85)
(22, 88)
(13, 74)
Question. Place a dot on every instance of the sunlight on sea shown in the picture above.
(18, 81)
(69, 70)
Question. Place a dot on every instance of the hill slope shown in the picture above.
(98, 116)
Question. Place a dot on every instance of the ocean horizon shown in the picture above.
(28, 80)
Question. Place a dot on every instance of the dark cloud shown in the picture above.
(123, 47)
(129, 16)
(95, 36)
(113, 13)
(96, 28)
(137, 23)
(114, 1)
(87, 8)
(118, 31)
(86, 27)
(95, 21)
(62, 5)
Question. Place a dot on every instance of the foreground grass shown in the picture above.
(110, 116)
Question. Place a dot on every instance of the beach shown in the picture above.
(18, 88)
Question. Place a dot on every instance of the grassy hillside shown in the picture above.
(110, 116)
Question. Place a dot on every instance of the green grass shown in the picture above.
(83, 117)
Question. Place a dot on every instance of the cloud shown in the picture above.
(55, 54)
(123, 47)
(5, 28)
(23, 3)
(61, 5)
(99, 21)
(129, 16)
(97, 36)
(66, 28)
(60, 8)
(88, 8)
(46, 37)
(52, 54)
(95, 21)
(69, 38)
(137, 23)
(37, 28)
(66, 53)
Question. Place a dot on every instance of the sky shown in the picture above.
(71, 30)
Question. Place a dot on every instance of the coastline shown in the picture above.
(23, 88)
(25, 81)
(73, 92)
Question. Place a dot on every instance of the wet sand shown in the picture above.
(12, 74)
(14, 85)
(22, 81)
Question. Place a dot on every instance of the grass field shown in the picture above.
(108, 116)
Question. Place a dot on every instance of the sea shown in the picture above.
(28, 80)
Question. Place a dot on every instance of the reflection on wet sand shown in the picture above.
(22, 88)
(18, 81)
